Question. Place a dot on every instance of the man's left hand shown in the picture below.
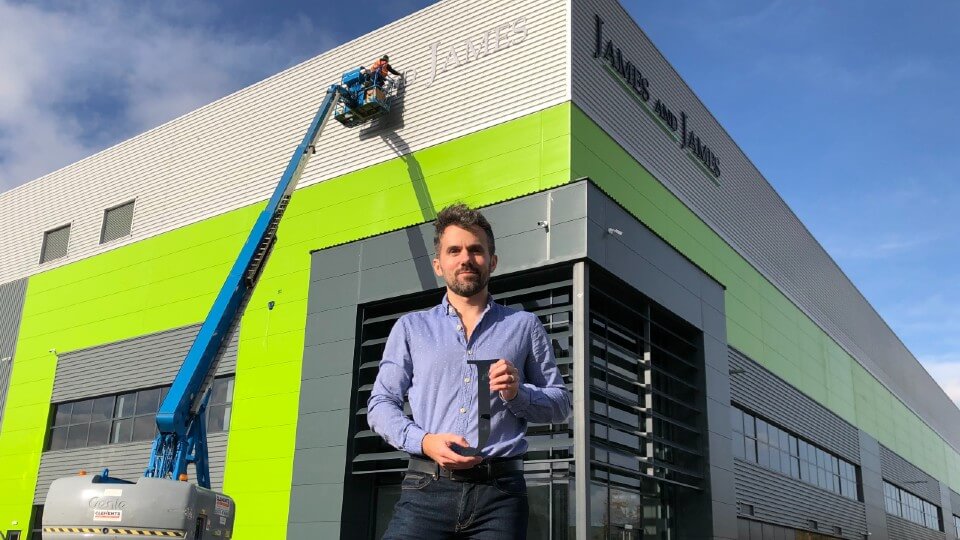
(505, 378)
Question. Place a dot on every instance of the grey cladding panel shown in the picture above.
(744, 209)
(142, 362)
(11, 309)
(901, 472)
(755, 388)
(779, 499)
(954, 503)
(901, 529)
(126, 461)
(6, 371)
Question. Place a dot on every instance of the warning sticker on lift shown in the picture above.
(222, 506)
(108, 515)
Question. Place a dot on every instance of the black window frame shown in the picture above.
(805, 461)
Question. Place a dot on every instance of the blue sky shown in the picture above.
(848, 108)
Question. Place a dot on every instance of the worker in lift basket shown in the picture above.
(380, 69)
(457, 484)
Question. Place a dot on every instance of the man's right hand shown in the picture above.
(438, 447)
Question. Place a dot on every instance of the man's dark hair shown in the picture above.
(463, 216)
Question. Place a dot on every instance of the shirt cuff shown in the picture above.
(413, 444)
(520, 402)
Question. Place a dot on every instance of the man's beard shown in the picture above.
(468, 288)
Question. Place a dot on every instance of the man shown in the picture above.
(379, 70)
(448, 493)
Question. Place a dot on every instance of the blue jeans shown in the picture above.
(439, 508)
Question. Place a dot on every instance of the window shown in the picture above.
(116, 222)
(902, 503)
(55, 243)
(956, 524)
(758, 441)
(128, 417)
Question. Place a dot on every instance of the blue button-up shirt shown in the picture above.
(426, 355)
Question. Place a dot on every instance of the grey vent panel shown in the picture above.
(141, 362)
(55, 244)
(126, 461)
(117, 222)
(761, 391)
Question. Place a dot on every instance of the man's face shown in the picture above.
(464, 260)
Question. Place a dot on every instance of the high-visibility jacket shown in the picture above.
(382, 66)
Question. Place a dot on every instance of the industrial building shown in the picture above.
(729, 380)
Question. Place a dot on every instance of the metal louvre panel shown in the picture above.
(141, 362)
(780, 499)
(744, 209)
(55, 244)
(539, 292)
(181, 174)
(126, 461)
(117, 222)
(760, 391)
(644, 392)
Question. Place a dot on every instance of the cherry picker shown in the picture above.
(163, 503)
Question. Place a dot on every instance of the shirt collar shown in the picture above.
(450, 310)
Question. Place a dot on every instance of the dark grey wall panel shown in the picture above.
(141, 362)
(764, 393)
(744, 209)
(901, 529)
(901, 472)
(779, 499)
(126, 461)
(872, 486)
(11, 309)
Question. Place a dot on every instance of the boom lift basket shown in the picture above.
(370, 95)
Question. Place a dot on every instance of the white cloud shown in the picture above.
(80, 76)
(945, 369)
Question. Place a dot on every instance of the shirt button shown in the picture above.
(462, 410)
(469, 351)
(466, 379)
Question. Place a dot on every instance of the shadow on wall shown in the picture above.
(386, 129)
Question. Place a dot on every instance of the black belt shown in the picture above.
(486, 470)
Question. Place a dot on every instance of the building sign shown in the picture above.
(676, 125)
(449, 57)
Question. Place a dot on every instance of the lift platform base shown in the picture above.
(91, 507)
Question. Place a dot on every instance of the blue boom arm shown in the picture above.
(182, 437)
